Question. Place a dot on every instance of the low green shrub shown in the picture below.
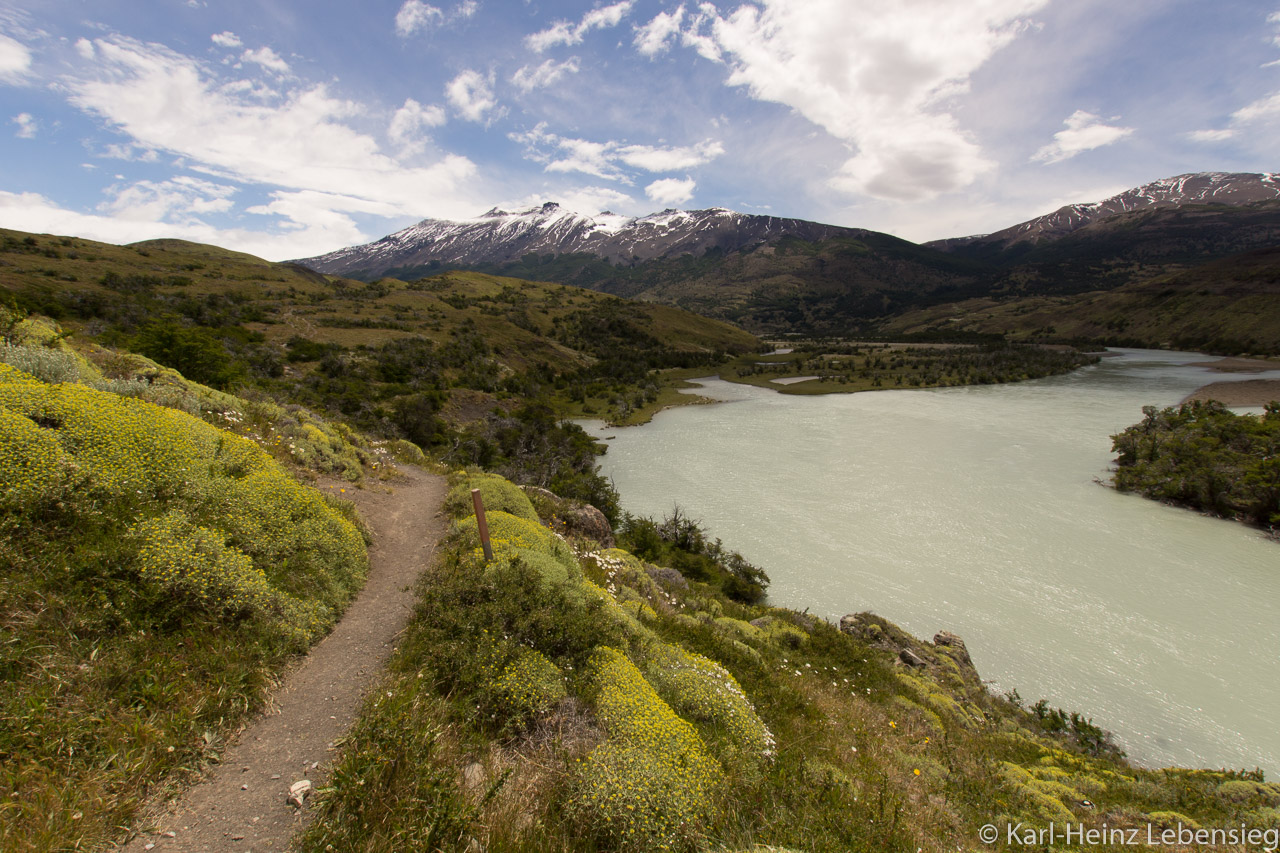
(392, 790)
(498, 494)
(510, 534)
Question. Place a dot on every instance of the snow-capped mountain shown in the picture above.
(499, 236)
(1196, 188)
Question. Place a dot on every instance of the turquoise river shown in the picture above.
(982, 511)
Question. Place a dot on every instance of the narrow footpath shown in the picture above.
(241, 804)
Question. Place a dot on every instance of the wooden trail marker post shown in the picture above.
(482, 524)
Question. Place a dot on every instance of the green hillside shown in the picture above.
(1227, 306)
(482, 367)
(835, 287)
(569, 696)
(161, 565)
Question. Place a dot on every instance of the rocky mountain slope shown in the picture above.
(500, 236)
(1219, 188)
(779, 276)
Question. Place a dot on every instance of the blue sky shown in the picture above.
(288, 128)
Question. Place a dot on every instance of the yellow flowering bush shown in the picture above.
(701, 689)
(652, 785)
(150, 461)
(510, 534)
(529, 686)
(516, 683)
(498, 494)
(196, 564)
(29, 461)
(1041, 800)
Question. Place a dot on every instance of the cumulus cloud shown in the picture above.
(267, 58)
(415, 15)
(1259, 110)
(226, 38)
(527, 77)
(27, 125)
(670, 191)
(1262, 111)
(1211, 135)
(182, 199)
(15, 59)
(656, 36)
(571, 155)
(409, 120)
(653, 159)
(1085, 131)
(876, 76)
(668, 28)
(603, 159)
(314, 231)
(296, 140)
(588, 200)
(471, 94)
(564, 32)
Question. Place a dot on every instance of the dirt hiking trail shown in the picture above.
(241, 803)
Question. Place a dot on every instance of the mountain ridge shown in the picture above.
(1230, 188)
(500, 236)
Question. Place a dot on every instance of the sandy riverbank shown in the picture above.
(1239, 365)
(1250, 392)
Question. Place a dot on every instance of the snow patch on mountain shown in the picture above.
(499, 236)
(1233, 188)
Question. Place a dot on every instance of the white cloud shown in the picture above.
(588, 200)
(693, 36)
(297, 140)
(27, 125)
(411, 118)
(226, 38)
(1210, 135)
(527, 78)
(1263, 110)
(589, 158)
(471, 94)
(182, 199)
(1259, 110)
(670, 191)
(267, 58)
(563, 32)
(655, 37)
(415, 15)
(875, 75)
(602, 159)
(1085, 131)
(15, 59)
(653, 159)
(315, 231)
(129, 151)
(84, 47)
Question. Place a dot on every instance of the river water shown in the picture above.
(977, 510)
